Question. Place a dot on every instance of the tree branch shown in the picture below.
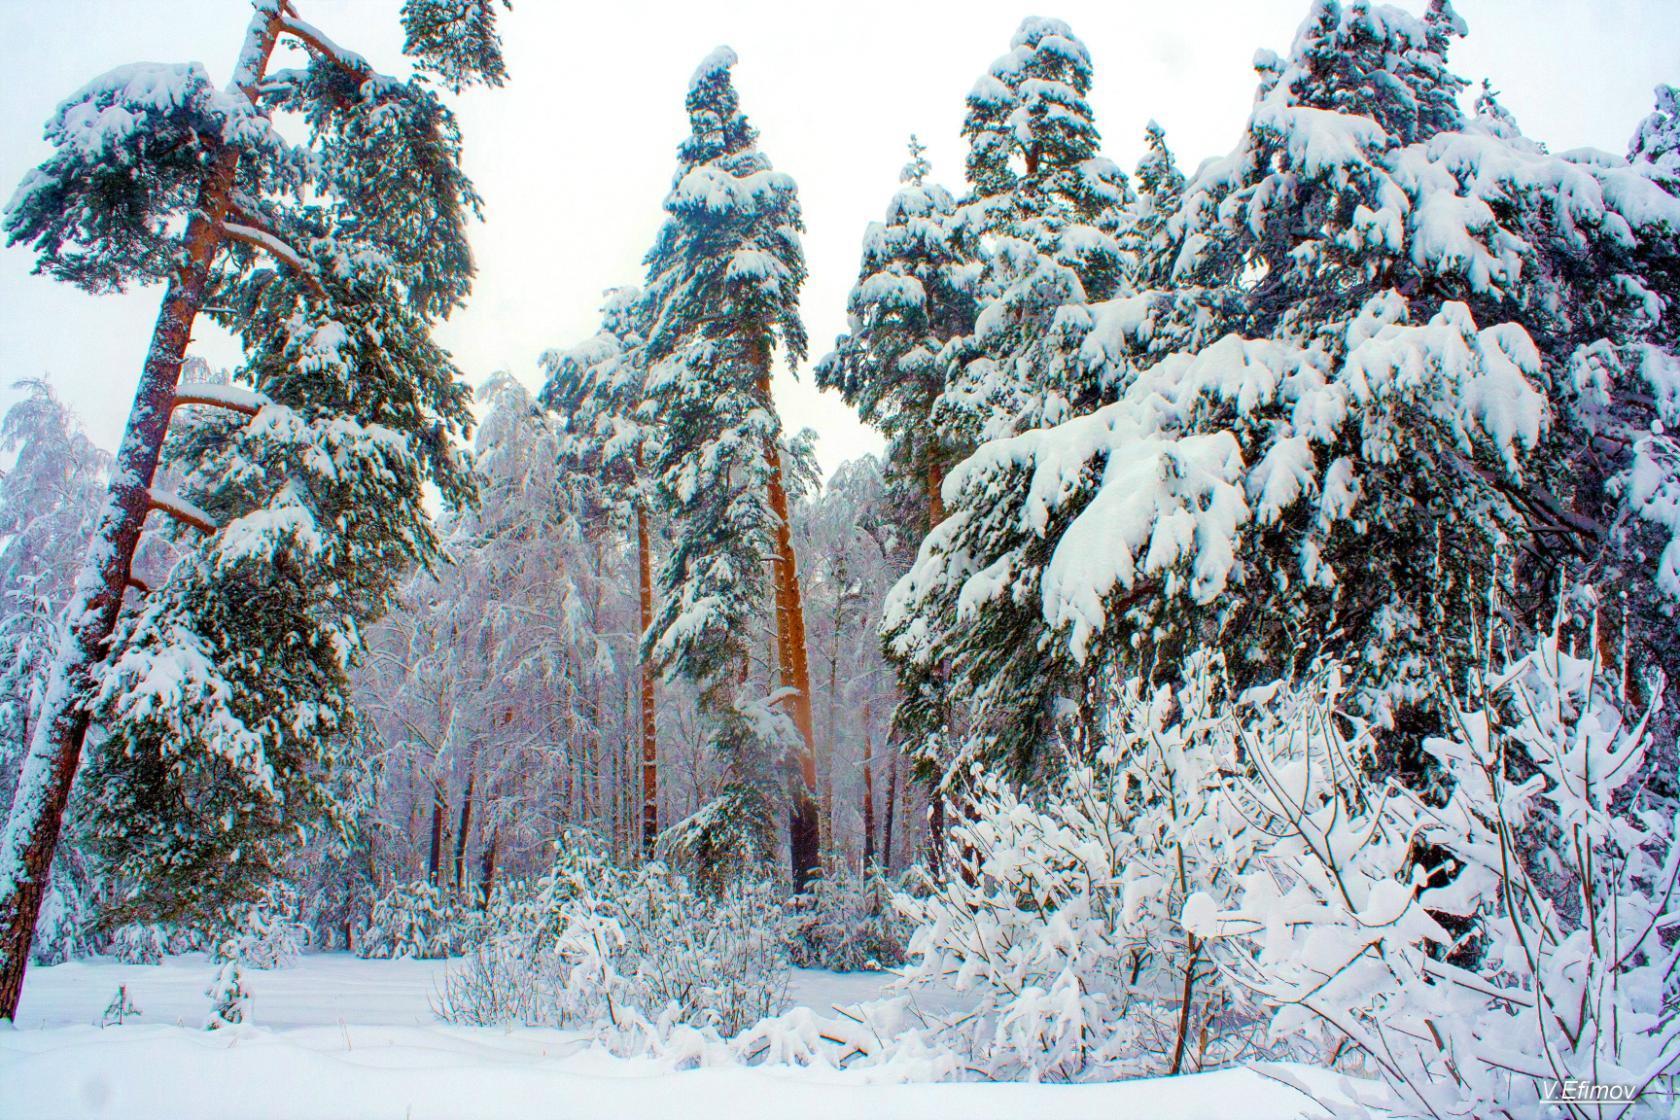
(230, 397)
(277, 249)
(182, 510)
(353, 64)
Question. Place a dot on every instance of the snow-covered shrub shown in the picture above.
(269, 937)
(1061, 911)
(846, 922)
(227, 992)
(623, 950)
(66, 928)
(1481, 946)
(414, 920)
(141, 943)
(500, 979)
(641, 943)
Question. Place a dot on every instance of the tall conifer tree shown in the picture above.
(223, 692)
(723, 289)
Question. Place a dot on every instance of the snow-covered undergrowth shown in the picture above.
(335, 1036)
(847, 922)
(621, 950)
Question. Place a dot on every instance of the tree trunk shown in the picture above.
(936, 835)
(936, 499)
(868, 792)
(461, 831)
(650, 729)
(49, 770)
(804, 846)
(487, 869)
(936, 796)
(1186, 997)
(832, 752)
(892, 808)
(434, 862)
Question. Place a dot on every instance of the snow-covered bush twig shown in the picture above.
(1479, 947)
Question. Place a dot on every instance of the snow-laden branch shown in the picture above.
(231, 397)
(311, 36)
(182, 510)
(276, 248)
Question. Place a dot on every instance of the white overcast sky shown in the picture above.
(574, 156)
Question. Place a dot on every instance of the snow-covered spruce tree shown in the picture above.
(330, 259)
(1543, 958)
(599, 390)
(1388, 336)
(723, 287)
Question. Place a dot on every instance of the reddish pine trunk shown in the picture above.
(650, 731)
(32, 830)
(803, 828)
(487, 869)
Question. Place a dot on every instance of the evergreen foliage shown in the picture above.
(1327, 439)
(225, 697)
(455, 40)
(722, 289)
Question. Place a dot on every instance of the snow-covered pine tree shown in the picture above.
(915, 300)
(1050, 207)
(723, 287)
(1160, 188)
(915, 294)
(330, 259)
(599, 390)
(455, 40)
(1388, 335)
(1657, 139)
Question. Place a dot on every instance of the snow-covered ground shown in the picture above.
(339, 1037)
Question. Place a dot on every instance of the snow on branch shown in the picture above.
(182, 510)
(231, 397)
(350, 62)
(276, 248)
